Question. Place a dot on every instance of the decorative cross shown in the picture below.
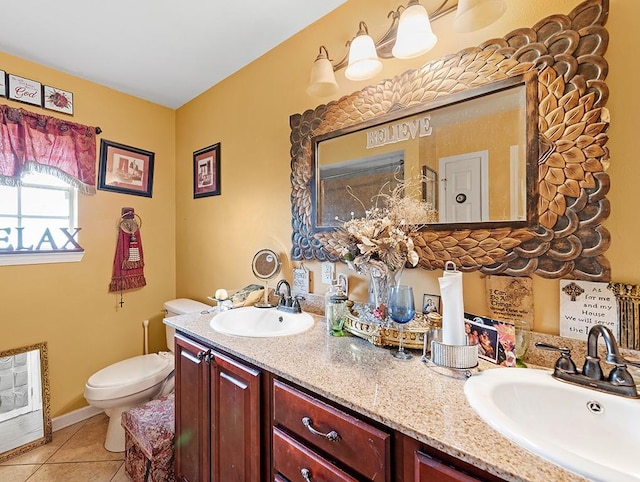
(573, 290)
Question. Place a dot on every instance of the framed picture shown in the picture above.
(3, 83)
(430, 303)
(206, 171)
(485, 336)
(57, 99)
(430, 186)
(25, 90)
(125, 169)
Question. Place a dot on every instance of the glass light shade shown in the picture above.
(322, 82)
(414, 36)
(363, 59)
(476, 14)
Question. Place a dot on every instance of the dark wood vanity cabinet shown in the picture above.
(218, 416)
(237, 423)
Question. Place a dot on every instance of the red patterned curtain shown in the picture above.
(33, 142)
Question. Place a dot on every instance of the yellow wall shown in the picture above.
(68, 304)
(216, 237)
(249, 113)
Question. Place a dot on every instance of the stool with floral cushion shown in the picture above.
(149, 437)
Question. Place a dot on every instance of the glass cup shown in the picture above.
(401, 310)
(523, 337)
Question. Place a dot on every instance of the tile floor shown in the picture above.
(76, 454)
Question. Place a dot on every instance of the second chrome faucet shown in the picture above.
(619, 381)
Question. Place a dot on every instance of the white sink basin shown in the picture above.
(260, 322)
(594, 434)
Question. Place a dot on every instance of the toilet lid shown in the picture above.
(129, 376)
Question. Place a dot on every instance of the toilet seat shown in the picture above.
(129, 376)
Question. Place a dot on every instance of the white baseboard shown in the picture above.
(76, 416)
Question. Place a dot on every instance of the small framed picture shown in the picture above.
(206, 171)
(57, 99)
(430, 303)
(125, 169)
(3, 83)
(24, 90)
(485, 336)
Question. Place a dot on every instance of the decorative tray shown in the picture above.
(362, 323)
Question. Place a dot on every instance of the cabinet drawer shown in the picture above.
(429, 469)
(358, 445)
(297, 463)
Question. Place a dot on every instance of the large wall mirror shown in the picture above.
(25, 420)
(540, 190)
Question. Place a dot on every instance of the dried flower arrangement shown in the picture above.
(382, 239)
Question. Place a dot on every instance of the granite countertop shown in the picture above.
(407, 396)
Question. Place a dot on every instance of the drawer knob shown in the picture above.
(333, 435)
(306, 474)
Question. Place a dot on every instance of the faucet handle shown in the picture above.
(564, 363)
(619, 375)
(296, 303)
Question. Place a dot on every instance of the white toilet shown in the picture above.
(136, 380)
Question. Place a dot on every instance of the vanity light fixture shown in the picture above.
(363, 58)
(408, 36)
(322, 82)
(476, 14)
(414, 37)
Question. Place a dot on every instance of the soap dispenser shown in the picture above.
(335, 309)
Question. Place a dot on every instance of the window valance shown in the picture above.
(34, 142)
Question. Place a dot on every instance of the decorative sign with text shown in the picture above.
(510, 298)
(25, 90)
(584, 304)
(300, 285)
(399, 131)
(14, 240)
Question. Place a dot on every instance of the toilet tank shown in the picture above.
(180, 306)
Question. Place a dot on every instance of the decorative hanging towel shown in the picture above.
(128, 263)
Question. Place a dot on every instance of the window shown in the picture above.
(38, 221)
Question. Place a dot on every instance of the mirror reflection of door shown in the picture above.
(463, 189)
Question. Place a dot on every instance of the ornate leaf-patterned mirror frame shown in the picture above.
(569, 241)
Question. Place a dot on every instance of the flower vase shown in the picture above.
(379, 283)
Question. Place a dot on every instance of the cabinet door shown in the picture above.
(432, 470)
(235, 421)
(192, 411)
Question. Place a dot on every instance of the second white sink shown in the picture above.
(594, 434)
(260, 322)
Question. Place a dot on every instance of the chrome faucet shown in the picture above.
(287, 285)
(619, 381)
(288, 303)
